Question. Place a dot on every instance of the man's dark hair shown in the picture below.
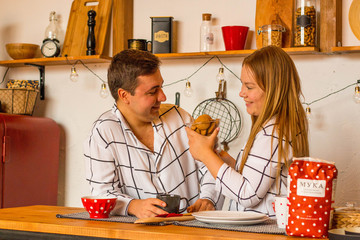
(127, 66)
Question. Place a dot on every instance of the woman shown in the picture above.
(271, 91)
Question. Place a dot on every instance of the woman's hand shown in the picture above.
(201, 146)
(202, 149)
(201, 205)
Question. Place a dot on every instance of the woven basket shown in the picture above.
(346, 217)
(18, 101)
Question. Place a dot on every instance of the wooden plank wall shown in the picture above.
(122, 24)
(330, 24)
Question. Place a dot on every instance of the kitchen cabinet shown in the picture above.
(29, 161)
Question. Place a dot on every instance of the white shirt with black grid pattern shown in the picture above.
(118, 164)
(255, 189)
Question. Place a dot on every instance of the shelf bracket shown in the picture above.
(42, 79)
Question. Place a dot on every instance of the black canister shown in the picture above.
(161, 34)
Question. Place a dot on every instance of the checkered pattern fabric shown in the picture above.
(118, 164)
(255, 188)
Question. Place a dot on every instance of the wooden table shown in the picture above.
(40, 222)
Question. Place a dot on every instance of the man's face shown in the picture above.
(145, 103)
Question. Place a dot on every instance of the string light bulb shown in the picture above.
(356, 96)
(220, 76)
(308, 113)
(188, 91)
(74, 75)
(104, 93)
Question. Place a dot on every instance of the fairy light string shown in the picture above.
(77, 61)
(342, 89)
(187, 79)
(305, 103)
(191, 75)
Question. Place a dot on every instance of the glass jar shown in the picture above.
(271, 35)
(305, 23)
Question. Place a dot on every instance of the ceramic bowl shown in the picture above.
(21, 50)
(99, 206)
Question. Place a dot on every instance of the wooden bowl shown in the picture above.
(21, 50)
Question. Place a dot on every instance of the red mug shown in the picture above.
(234, 37)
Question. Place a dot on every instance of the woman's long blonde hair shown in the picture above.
(276, 75)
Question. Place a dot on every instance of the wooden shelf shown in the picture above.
(349, 49)
(55, 61)
(237, 53)
(106, 59)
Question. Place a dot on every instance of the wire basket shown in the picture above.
(227, 112)
(18, 100)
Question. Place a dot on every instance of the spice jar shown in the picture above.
(305, 23)
(271, 35)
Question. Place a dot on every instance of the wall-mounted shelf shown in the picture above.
(106, 59)
(55, 61)
(349, 49)
(237, 53)
(40, 63)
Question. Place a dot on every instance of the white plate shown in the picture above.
(233, 222)
(228, 215)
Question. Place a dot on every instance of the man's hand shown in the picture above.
(201, 205)
(144, 208)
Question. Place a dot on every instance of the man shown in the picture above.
(140, 147)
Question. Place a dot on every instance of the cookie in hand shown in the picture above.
(204, 125)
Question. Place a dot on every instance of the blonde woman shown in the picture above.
(271, 91)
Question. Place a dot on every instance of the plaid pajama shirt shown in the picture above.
(118, 164)
(255, 189)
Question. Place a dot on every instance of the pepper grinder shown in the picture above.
(91, 35)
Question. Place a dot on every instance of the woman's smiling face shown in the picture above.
(251, 92)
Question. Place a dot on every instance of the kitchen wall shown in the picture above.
(334, 128)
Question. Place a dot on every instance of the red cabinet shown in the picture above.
(29, 160)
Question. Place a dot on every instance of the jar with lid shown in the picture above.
(271, 34)
(305, 23)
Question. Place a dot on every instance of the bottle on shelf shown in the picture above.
(206, 34)
(51, 45)
(52, 30)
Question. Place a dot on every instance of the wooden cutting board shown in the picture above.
(275, 12)
(77, 28)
